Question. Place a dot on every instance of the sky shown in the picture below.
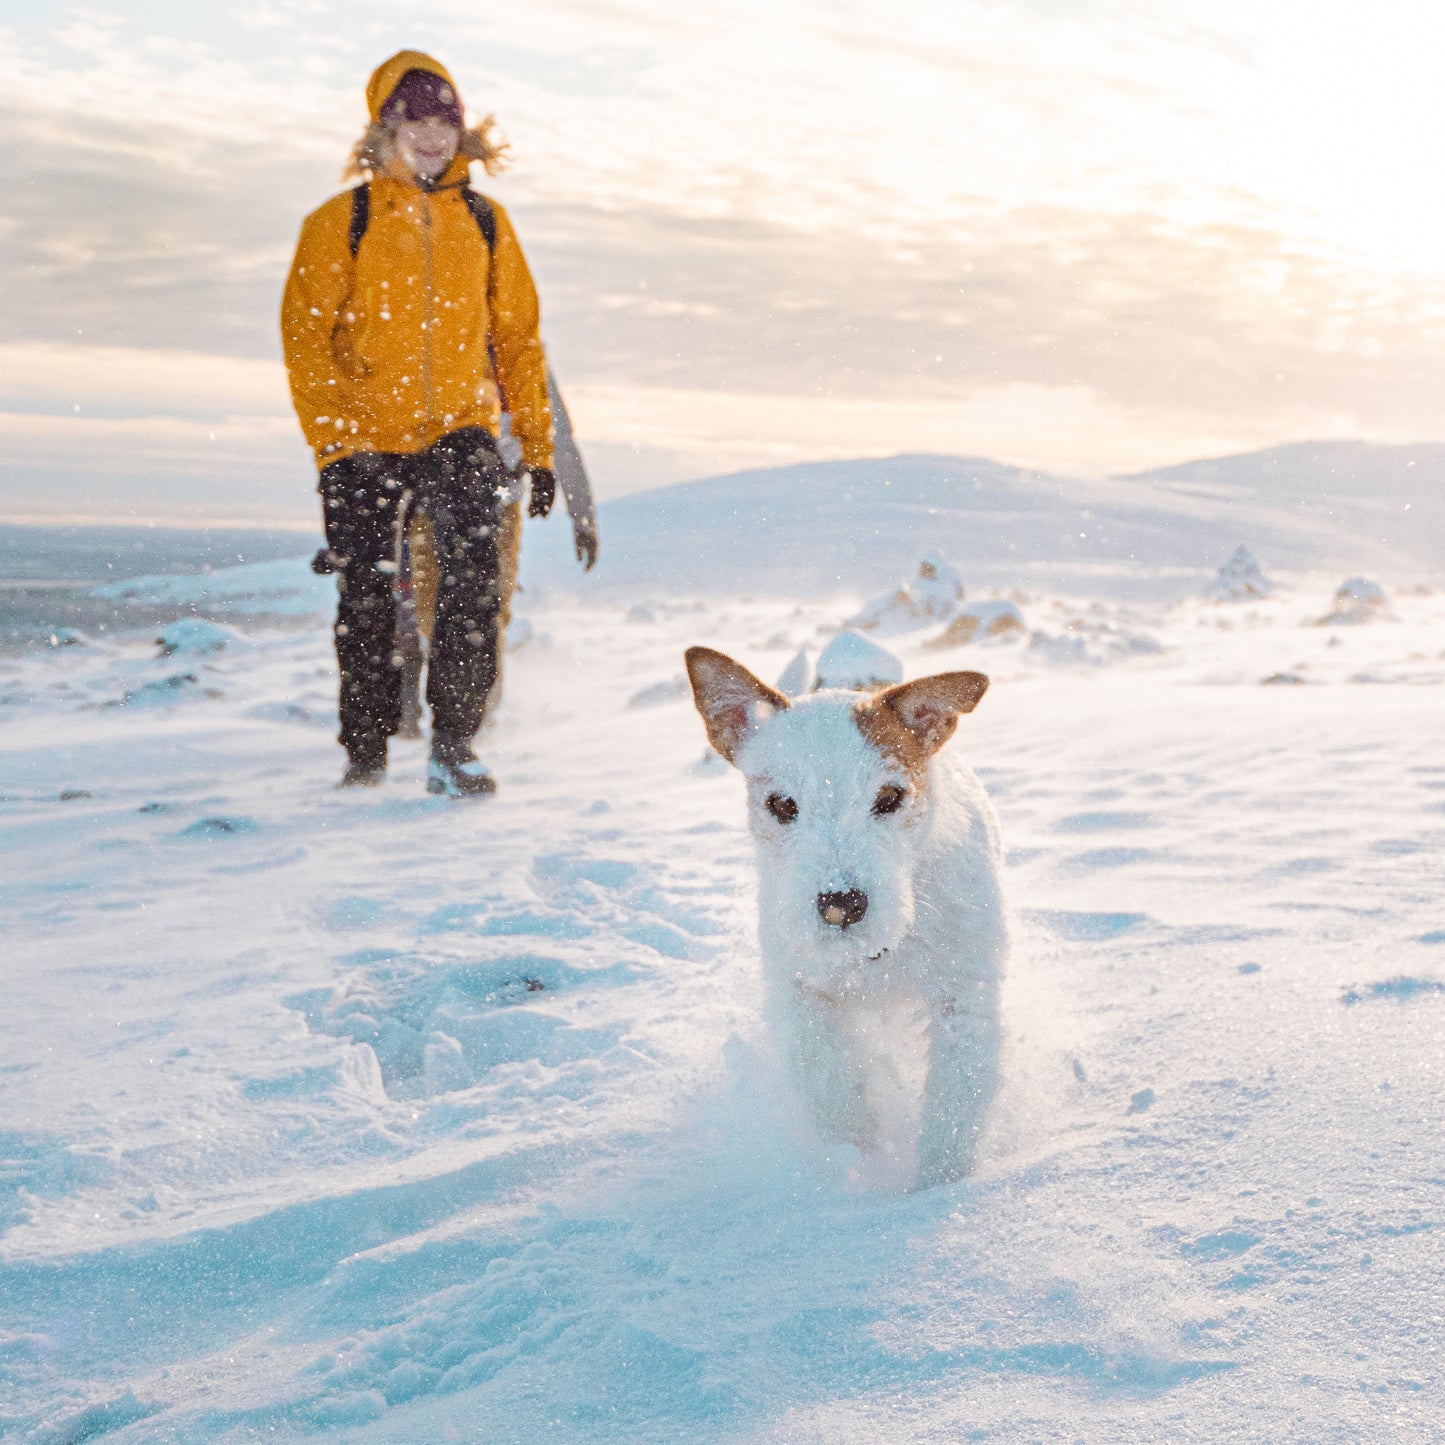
(1090, 236)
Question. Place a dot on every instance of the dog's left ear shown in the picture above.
(930, 707)
(731, 700)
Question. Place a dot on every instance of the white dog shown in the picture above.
(880, 901)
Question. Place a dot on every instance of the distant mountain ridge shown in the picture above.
(855, 525)
(1391, 495)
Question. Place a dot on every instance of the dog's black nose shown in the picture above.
(842, 910)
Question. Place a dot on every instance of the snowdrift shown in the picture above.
(384, 1119)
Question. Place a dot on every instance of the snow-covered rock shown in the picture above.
(285, 588)
(195, 637)
(979, 622)
(934, 591)
(1241, 579)
(796, 676)
(71, 637)
(1356, 600)
(938, 587)
(888, 607)
(853, 661)
(162, 691)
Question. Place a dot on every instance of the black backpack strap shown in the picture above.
(360, 216)
(477, 204)
(486, 219)
(483, 215)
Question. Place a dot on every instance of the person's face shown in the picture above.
(427, 146)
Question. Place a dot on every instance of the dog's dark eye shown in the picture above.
(889, 800)
(783, 809)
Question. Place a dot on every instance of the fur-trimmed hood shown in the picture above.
(375, 150)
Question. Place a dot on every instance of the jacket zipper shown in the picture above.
(426, 354)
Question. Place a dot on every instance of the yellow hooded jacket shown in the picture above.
(389, 351)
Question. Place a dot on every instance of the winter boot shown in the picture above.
(364, 769)
(453, 768)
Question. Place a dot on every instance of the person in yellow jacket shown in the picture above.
(409, 316)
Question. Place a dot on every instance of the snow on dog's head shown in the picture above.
(840, 798)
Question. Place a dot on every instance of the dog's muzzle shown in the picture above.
(842, 910)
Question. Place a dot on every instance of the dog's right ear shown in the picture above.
(929, 707)
(731, 700)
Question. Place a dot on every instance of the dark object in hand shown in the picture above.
(544, 491)
(325, 562)
(584, 539)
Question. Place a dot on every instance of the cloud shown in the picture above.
(165, 470)
(131, 381)
(1220, 320)
(1065, 235)
(148, 434)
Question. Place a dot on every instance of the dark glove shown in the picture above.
(325, 562)
(584, 539)
(544, 491)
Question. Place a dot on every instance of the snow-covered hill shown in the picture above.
(854, 527)
(1389, 499)
(857, 525)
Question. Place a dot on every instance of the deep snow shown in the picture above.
(379, 1117)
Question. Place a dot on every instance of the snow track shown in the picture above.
(380, 1117)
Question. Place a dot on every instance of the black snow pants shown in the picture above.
(460, 483)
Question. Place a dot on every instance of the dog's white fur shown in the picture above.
(934, 938)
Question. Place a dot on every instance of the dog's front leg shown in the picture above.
(963, 1055)
(825, 1070)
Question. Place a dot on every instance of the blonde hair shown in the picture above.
(377, 147)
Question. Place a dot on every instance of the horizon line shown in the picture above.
(283, 523)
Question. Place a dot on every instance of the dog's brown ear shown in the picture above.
(930, 707)
(731, 700)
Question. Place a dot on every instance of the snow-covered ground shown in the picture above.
(372, 1116)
